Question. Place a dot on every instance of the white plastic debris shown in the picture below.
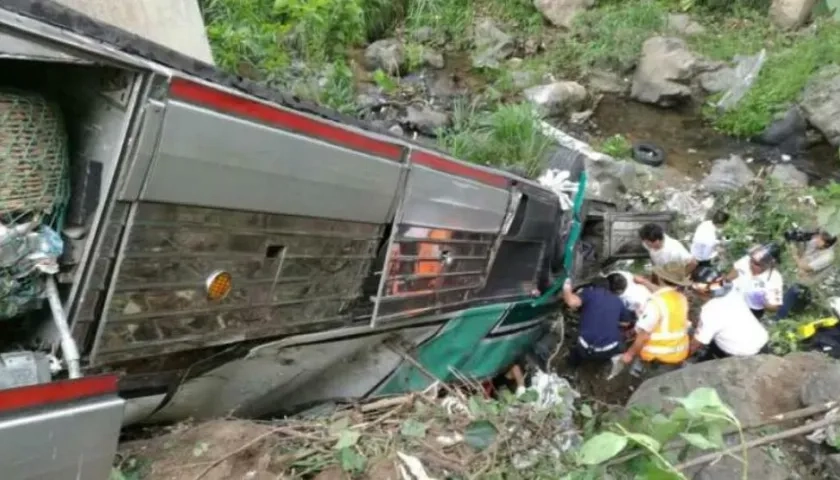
(552, 390)
(449, 440)
(453, 406)
(558, 182)
(411, 468)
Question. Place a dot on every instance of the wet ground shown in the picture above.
(690, 143)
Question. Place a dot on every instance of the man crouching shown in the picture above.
(662, 338)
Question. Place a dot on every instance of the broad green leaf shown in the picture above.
(585, 411)
(413, 428)
(653, 470)
(699, 441)
(475, 406)
(663, 428)
(480, 434)
(601, 448)
(530, 396)
(346, 439)
(116, 474)
(703, 400)
(645, 440)
(351, 460)
(714, 434)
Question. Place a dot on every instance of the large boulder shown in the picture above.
(562, 13)
(424, 119)
(788, 132)
(388, 55)
(755, 388)
(664, 72)
(492, 45)
(728, 174)
(791, 14)
(789, 175)
(557, 98)
(821, 102)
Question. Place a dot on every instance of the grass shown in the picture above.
(449, 21)
(505, 137)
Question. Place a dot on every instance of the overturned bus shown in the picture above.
(177, 242)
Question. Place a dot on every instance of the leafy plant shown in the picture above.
(505, 137)
(617, 146)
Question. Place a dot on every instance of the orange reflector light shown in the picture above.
(219, 284)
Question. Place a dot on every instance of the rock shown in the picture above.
(718, 80)
(523, 78)
(728, 174)
(425, 120)
(492, 45)
(755, 388)
(387, 55)
(821, 103)
(562, 13)
(683, 24)
(396, 130)
(792, 123)
(664, 71)
(789, 175)
(604, 81)
(433, 58)
(422, 34)
(832, 466)
(823, 387)
(558, 98)
(791, 13)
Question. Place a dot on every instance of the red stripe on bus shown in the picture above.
(455, 168)
(192, 92)
(57, 392)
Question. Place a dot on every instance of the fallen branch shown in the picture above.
(790, 433)
(241, 449)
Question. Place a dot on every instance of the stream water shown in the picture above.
(691, 144)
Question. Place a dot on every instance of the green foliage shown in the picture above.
(508, 136)
(611, 36)
(449, 21)
(724, 6)
(384, 81)
(333, 86)
(617, 146)
(655, 442)
(266, 34)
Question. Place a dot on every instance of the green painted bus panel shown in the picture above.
(451, 347)
(495, 354)
(463, 343)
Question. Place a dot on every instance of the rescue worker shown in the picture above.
(601, 316)
(726, 327)
(813, 260)
(634, 294)
(662, 338)
(705, 245)
(756, 277)
(665, 250)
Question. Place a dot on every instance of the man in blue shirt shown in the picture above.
(602, 314)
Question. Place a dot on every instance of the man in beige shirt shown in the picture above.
(813, 261)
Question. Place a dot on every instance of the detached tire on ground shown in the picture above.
(648, 154)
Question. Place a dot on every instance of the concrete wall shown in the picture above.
(176, 24)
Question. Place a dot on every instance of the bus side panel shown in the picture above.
(212, 159)
(294, 219)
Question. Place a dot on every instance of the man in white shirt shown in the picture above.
(665, 251)
(705, 243)
(757, 279)
(726, 325)
(634, 295)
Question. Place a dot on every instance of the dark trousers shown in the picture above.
(795, 298)
(758, 313)
(578, 355)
